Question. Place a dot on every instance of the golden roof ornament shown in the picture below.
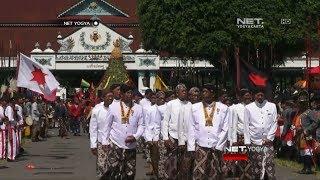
(116, 52)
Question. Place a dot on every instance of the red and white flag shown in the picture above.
(32, 75)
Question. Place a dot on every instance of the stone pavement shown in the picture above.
(70, 159)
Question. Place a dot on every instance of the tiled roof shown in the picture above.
(23, 39)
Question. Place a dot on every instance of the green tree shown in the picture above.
(207, 29)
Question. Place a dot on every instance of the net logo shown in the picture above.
(239, 153)
(250, 23)
(285, 21)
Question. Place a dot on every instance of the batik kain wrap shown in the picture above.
(241, 169)
(121, 163)
(154, 153)
(263, 162)
(162, 160)
(173, 163)
(101, 161)
(207, 165)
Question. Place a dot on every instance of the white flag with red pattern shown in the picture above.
(32, 75)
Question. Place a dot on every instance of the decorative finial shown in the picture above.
(59, 35)
(130, 36)
(37, 45)
(116, 52)
(48, 45)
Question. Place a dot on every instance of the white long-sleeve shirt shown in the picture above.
(9, 114)
(237, 122)
(117, 132)
(35, 114)
(173, 114)
(98, 123)
(152, 124)
(214, 136)
(260, 122)
(146, 105)
(162, 109)
(19, 112)
(183, 125)
(145, 102)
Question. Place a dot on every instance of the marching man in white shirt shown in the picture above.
(12, 138)
(3, 123)
(207, 135)
(152, 131)
(18, 109)
(162, 106)
(142, 145)
(125, 126)
(171, 131)
(236, 131)
(98, 123)
(260, 124)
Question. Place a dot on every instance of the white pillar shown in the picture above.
(141, 75)
(152, 79)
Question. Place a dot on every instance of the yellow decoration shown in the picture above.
(116, 53)
(107, 83)
(159, 84)
(209, 117)
(27, 131)
(125, 117)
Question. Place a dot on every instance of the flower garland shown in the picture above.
(125, 117)
(208, 117)
(92, 47)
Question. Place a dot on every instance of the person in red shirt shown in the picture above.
(75, 112)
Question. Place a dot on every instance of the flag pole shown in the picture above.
(18, 62)
(238, 67)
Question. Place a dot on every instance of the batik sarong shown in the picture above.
(154, 153)
(262, 159)
(101, 161)
(140, 145)
(239, 169)
(162, 159)
(173, 162)
(207, 164)
(121, 163)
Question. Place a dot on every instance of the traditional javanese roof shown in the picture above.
(119, 15)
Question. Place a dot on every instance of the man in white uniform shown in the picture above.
(98, 123)
(162, 106)
(260, 125)
(207, 135)
(142, 145)
(236, 137)
(173, 134)
(152, 132)
(18, 109)
(12, 138)
(125, 126)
